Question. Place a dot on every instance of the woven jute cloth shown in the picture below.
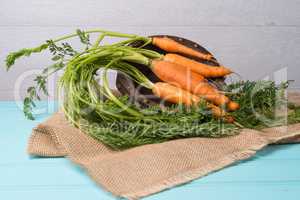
(144, 170)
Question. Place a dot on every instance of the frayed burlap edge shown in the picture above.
(203, 171)
(59, 150)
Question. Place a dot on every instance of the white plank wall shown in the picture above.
(255, 38)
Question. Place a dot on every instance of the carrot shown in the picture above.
(177, 95)
(220, 113)
(232, 106)
(176, 75)
(174, 94)
(203, 69)
(170, 45)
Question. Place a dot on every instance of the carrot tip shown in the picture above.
(232, 106)
(229, 119)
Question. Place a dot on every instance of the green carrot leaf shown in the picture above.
(84, 37)
(12, 57)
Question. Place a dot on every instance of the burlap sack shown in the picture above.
(148, 169)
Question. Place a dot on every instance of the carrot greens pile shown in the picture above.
(198, 110)
(263, 104)
(170, 123)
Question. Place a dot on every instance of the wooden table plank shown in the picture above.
(272, 174)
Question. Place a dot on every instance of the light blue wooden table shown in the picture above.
(273, 174)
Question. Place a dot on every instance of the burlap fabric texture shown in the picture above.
(144, 170)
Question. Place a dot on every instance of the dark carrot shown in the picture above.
(177, 95)
(203, 69)
(170, 45)
(220, 113)
(190, 81)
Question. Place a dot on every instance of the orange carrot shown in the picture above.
(170, 45)
(190, 81)
(177, 95)
(203, 69)
(174, 94)
(232, 106)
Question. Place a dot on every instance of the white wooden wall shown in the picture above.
(255, 38)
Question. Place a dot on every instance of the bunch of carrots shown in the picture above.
(184, 80)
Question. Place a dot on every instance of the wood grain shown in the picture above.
(251, 36)
(271, 174)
